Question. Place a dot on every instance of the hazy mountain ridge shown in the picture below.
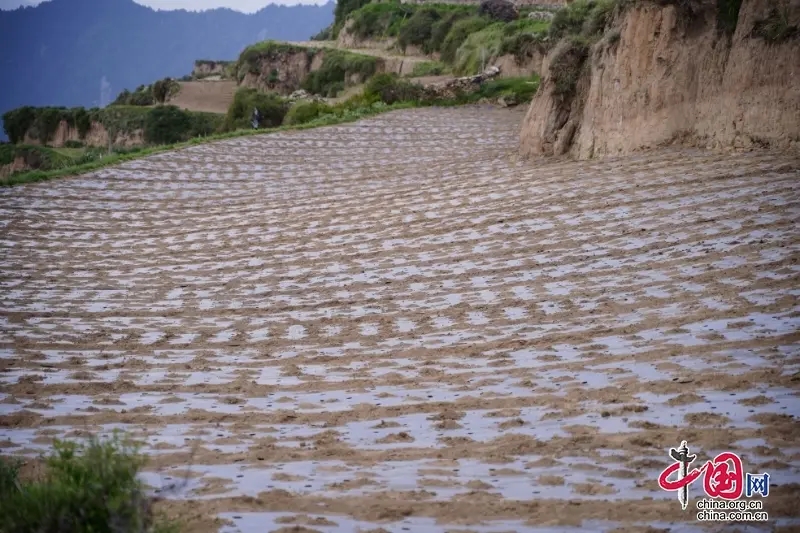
(58, 52)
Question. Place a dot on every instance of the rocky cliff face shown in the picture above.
(96, 136)
(283, 72)
(660, 76)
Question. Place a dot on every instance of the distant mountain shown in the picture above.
(84, 52)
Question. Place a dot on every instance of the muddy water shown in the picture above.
(392, 325)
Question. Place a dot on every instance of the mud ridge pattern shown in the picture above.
(393, 325)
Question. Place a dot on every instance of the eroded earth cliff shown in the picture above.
(672, 72)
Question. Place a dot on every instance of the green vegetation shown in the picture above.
(501, 10)
(41, 123)
(428, 68)
(728, 15)
(304, 112)
(141, 96)
(478, 48)
(582, 17)
(165, 89)
(34, 156)
(458, 33)
(228, 69)
(337, 68)
(86, 488)
(271, 107)
(565, 67)
(168, 125)
(775, 27)
(378, 20)
(342, 11)
(419, 29)
(391, 89)
(147, 95)
(251, 56)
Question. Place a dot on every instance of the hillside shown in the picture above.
(630, 76)
(71, 46)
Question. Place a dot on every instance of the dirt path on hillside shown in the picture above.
(393, 325)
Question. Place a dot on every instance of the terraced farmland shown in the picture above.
(393, 325)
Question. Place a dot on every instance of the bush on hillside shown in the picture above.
(377, 20)
(458, 34)
(303, 112)
(442, 27)
(479, 48)
(166, 125)
(342, 10)
(164, 89)
(271, 107)
(85, 488)
(337, 67)
(142, 96)
(419, 28)
(566, 65)
(775, 27)
(501, 10)
(17, 122)
(390, 88)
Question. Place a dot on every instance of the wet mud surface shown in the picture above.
(393, 325)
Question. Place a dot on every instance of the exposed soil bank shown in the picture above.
(660, 75)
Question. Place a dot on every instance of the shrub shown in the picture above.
(458, 34)
(164, 89)
(569, 20)
(342, 10)
(774, 28)
(337, 67)
(566, 65)
(379, 19)
(142, 96)
(91, 488)
(390, 88)
(303, 112)
(441, 28)
(419, 28)
(270, 106)
(73, 144)
(523, 45)
(167, 125)
(17, 122)
(502, 10)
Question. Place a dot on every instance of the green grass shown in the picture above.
(89, 487)
(459, 33)
(428, 68)
(479, 48)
